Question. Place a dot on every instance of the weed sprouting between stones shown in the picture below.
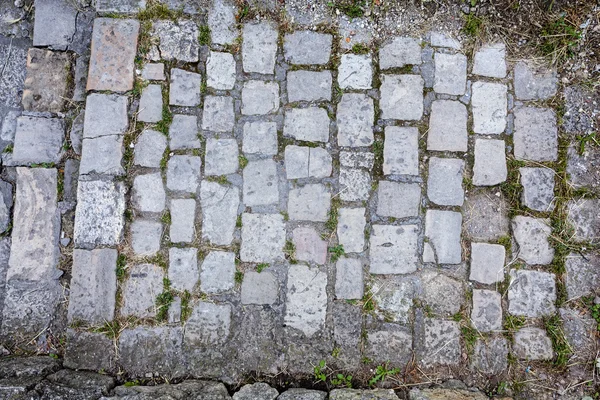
(560, 38)
(239, 277)
(243, 161)
(164, 300)
(221, 179)
(204, 35)
(290, 252)
(261, 267)
(382, 372)
(336, 252)
(186, 308)
(560, 345)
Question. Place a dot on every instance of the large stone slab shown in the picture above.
(490, 103)
(177, 40)
(394, 249)
(442, 232)
(450, 73)
(263, 237)
(260, 183)
(536, 135)
(584, 217)
(309, 203)
(401, 97)
(306, 299)
(259, 47)
(355, 119)
(46, 81)
(219, 205)
(447, 126)
(38, 140)
(140, 290)
(6, 203)
(444, 181)
(307, 48)
(582, 274)
(351, 229)
(310, 124)
(490, 167)
(13, 78)
(531, 235)
(531, 293)
(401, 151)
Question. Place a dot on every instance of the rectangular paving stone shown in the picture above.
(151, 104)
(219, 204)
(306, 299)
(442, 232)
(260, 98)
(114, 45)
(398, 200)
(102, 155)
(183, 268)
(220, 71)
(260, 138)
(209, 324)
(352, 159)
(259, 288)
(105, 114)
(310, 124)
(355, 184)
(440, 343)
(38, 140)
(447, 126)
(184, 89)
(140, 290)
(486, 216)
(582, 275)
(46, 82)
(394, 249)
(222, 22)
(183, 173)
(391, 344)
(489, 102)
(444, 295)
(222, 157)
(309, 203)
(263, 237)
(307, 48)
(531, 293)
(183, 216)
(490, 167)
(490, 61)
(532, 84)
(89, 351)
(584, 216)
(355, 120)
(355, 71)
(93, 286)
(146, 236)
(532, 344)
(148, 193)
(347, 329)
(183, 133)
(400, 51)
(305, 162)
(401, 151)
(54, 24)
(351, 229)
(486, 314)
(259, 46)
(349, 279)
(490, 355)
(218, 114)
(149, 149)
(450, 73)
(441, 39)
(538, 188)
(309, 246)
(177, 40)
(444, 181)
(536, 136)
(531, 235)
(154, 72)
(487, 263)
(401, 97)
(260, 183)
(309, 86)
(217, 272)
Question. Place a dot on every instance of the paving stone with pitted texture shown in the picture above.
(218, 114)
(184, 88)
(355, 119)
(208, 324)
(532, 344)
(177, 40)
(348, 279)
(222, 157)
(486, 216)
(487, 263)
(531, 293)
(260, 138)
(490, 355)
(398, 200)
(487, 310)
(444, 181)
(579, 330)
(355, 71)
(450, 73)
(584, 217)
(401, 97)
(220, 71)
(401, 151)
(447, 126)
(307, 48)
(217, 272)
(38, 140)
(306, 299)
(259, 288)
(149, 193)
(183, 133)
(394, 249)
(259, 98)
(46, 82)
(355, 184)
(442, 229)
(260, 183)
(531, 235)
(259, 47)
(149, 149)
(351, 228)
(395, 296)
(441, 342)
(535, 137)
(222, 22)
(144, 284)
(219, 204)
(490, 167)
(490, 61)
(309, 124)
(146, 236)
(533, 85)
(490, 104)
(443, 294)
(183, 215)
(183, 173)
(582, 275)
(263, 237)
(309, 86)
(309, 246)
(309, 203)
(584, 169)
(538, 188)
(399, 52)
(388, 344)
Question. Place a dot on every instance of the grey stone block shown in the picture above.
(14, 73)
(490, 61)
(489, 168)
(450, 73)
(183, 132)
(486, 217)
(105, 114)
(178, 40)
(222, 22)
(532, 344)
(355, 184)
(307, 48)
(305, 162)
(395, 296)
(582, 275)
(218, 114)
(490, 104)
(388, 344)
(102, 155)
(306, 299)
(531, 84)
(93, 286)
(302, 394)
(538, 188)
(531, 293)
(260, 98)
(486, 314)
(353, 159)
(260, 183)
(309, 246)
(531, 235)
(309, 86)
(349, 279)
(183, 173)
(141, 289)
(582, 168)
(154, 72)
(355, 71)
(442, 232)
(149, 193)
(443, 294)
(441, 343)
(89, 351)
(487, 263)
(441, 39)
(490, 355)
(219, 206)
(217, 273)
(444, 181)
(256, 391)
(536, 136)
(71, 177)
(55, 23)
(401, 151)
(183, 268)
(259, 47)
(260, 138)
(149, 149)
(6, 202)
(151, 104)
(309, 203)
(310, 124)
(222, 157)
(398, 200)
(220, 71)
(584, 217)
(145, 237)
(355, 120)
(263, 237)
(347, 329)
(394, 249)
(579, 330)
(209, 324)
(400, 51)
(401, 97)
(259, 288)
(447, 126)
(75, 134)
(183, 216)
(184, 88)
(38, 140)
(45, 88)
(351, 229)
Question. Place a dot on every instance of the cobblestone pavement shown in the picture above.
(187, 195)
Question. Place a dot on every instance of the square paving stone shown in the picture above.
(487, 263)
(219, 204)
(349, 279)
(536, 135)
(444, 181)
(102, 155)
(351, 229)
(261, 184)
(183, 268)
(221, 157)
(447, 126)
(220, 71)
(183, 216)
(218, 114)
(443, 294)
(355, 120)
(400, 51)
(141, 289)
(145, 237)
(306, 299)
(99, 214)
(309, 124)
(398, 200)
(149, 149)
(260, 138)
(38, 140)
(395, 296)
(582, 274)
(263, 237)
(355, 184)
(490, 61)
(531, 84)
(441, 343)
(490, 355)
(394, 249)
(307, 48)
(149, 193)
(305, 162)
(450, 73)
(309, 245)
(538, 188)
(183, 133)
(177, 40)
(93, 286)
(114, 45)
(184, 89)
(490, 167)
(151, 104)
(46, 82)
(259, 47)
(105, 114)
(309, 203)
(531, 235)
(401, 151)
(259, 288)
(490, 102)
(217, 273)
(486, 314)
(309, 86)
(532, 344)
(260, 98)
(584, 217)
(442, 232)
(89, 351)
(154, 72)
(389, 344)
(486, 215)
(531, 293)
(222, 22)
(401, 97)
(355, 71)
(209, 324)
(183, 173)
(54, 24)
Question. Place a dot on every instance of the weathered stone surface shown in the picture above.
(305, 162)
(351, 229)
(218, 114)
(355, 184)
(260, 138)
(310, 124)
(46, 82)
(532, 344)
(353, 159)
(440, 343)
(256, 391)
(302, 394)
(394, 249)
(99, 214)
(89, 351)
(82, 65)
(38, 140)
(220, 71)
(183, 173)
(263, 237)
(102, 155)
(140, 290)
(582, 274)
(151, 104)
(201, 390)
(184, 88)
(54, 24)
(183, 215)
(177, 40)
(395, 296)
(222, 157)
(490, 61)
(531, 235)
(355, 71)
(441, 39)
(391, 343)
(13, 78)
(584, 169)
(355, 394)
(487, 263)
(259, 47)
(222, 22)
(93, 286)
(489, 168)
(579, 330)
(183, 268)
(306, 299)
(309, 86)
(217, 272)
(260, 97)
(450, 73)
(354, 31)
(447, 126)
(401, 151)
(307, 48)
(531, 293)
(347, 329)
(149, 149)
(260, 183)
(105, 114)
(119, 6)
(208, 324)
(349, 278)
(486, 216)
(490, 355)
(145, 237)
(535, 137)
(183, 133)
(149, 193)
(538, 188)
(400, 51)
(442, 230)
(444, 181)
(259, 288)
(584, 217)
(6, 203)
(219, 212)
(442, 293)
(486, 314)
(490, 103)
(398, 200)
(76, 132)
(309, 245)
(534, 85)
(114, 44)
(355, 119)
(401, 97)
(154, 72)
(309, 203)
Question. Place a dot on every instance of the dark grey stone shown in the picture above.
(256, 391)
(89, 351)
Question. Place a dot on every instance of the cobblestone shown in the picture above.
(259, 98)
(355, 72)
(145, 237)
(531, 293)
(260, 138)
(401, 151)
(184, 88)
(149, 149)
(309, 86)
(149, 193)
(306, 299)
(260, 183)
(263, 237)
(394, 249)
(487, 263)
(177, 40)
(46, 82)
(183, 216)
(489, 107)
(442, 228)
(399, 52)
(307, 48)
(310, 124)
(584, 217)
(401, 97)
(220, 71)
(581, 275)
(259, 288)
(183, 173)
(219, 206)
(144, 284)
(490, 61)
(531, 234)
(398, 200)
(532, 344)
(444, 181)
(309, 246)
(259, 46)
(38, 140)
(355, 117)
(538, 188)
(309, 203)
(490, 162)
(533, 85)
(151, 104)
(349, 279)
(217, 272)
(487, 310)
(183, 133)
(447, 126)
(222, 157)
(350, 229)
(218, 114)
(450, 73)
(535, 137)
